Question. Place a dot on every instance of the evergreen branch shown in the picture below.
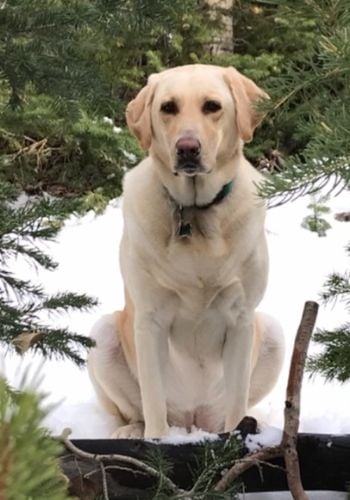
(68, 301)
(317, 79)
(158, 461)
(299, 180)
(21, 329)
(21, 302)
(58, 343)
(336, 287)
(28, 456)
(333, 363)
(35, 220)
(20, 288)
(210, 463)
(11, 247)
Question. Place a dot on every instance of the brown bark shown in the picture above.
(292, 404)
(222, 9)
(240, 466)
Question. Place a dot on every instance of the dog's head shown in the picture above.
(193, 118)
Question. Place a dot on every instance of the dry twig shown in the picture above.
(118, 458)
(241, 466)
(292, 405)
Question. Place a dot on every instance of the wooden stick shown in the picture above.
(292, 404)
(120, 458)
(246, 463)
(287, 448)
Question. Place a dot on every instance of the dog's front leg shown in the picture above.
(151, 338)
(237, 364)
(237, 369)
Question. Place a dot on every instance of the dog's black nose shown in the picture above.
(188, 147)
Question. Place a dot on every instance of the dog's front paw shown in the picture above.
(157, 433)
(130, 431)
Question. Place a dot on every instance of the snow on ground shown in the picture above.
(87, 250)
(270, 436)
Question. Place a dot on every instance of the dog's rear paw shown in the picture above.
(130, 431)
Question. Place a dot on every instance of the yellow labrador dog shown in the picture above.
(189, 348)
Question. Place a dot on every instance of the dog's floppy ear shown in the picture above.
(246, 96)
(138, 113)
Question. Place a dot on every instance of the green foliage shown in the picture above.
(23, 304)
(312, 94)
(315, 222)
(212, 459)
(45, 150)
(301, 52)
(28, 465)
(334, 361)
(269, 37)
(64, 66)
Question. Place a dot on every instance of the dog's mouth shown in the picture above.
(189, 168)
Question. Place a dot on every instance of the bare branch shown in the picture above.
(292, 405)
(241, 466)
(120, 458)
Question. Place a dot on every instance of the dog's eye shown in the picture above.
(211, 107)
(169, 107)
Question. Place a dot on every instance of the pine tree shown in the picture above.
(28, 467)
(315, 222)
(22, 303)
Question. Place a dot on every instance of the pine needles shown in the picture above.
(314, 91)
(334, 361)
(23, 304)
(28, 467)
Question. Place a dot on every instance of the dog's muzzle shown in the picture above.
(188, 150)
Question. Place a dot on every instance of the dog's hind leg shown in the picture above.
(269, 358)
(116, 387)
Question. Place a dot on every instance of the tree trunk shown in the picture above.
(222, 8)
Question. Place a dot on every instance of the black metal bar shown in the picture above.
(324, 462)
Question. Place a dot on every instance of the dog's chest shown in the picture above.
(195, 280)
